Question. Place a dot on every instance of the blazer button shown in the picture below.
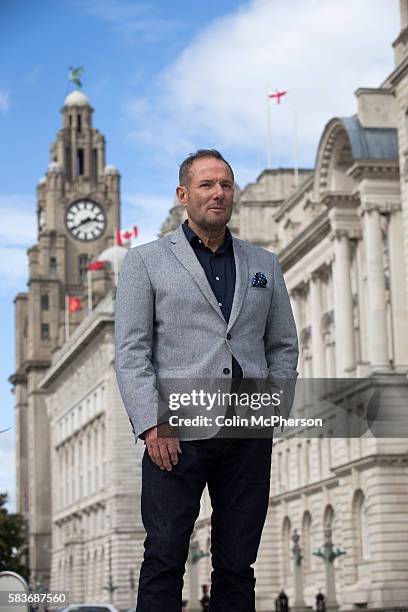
(226, 370)
(229, 336)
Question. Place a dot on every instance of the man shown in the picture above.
(201, 304)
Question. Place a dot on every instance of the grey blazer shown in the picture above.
(168, 323)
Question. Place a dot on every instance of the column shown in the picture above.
(404, 13)
(398, 302)
(377, 319)
(343, 307)
(317, 337)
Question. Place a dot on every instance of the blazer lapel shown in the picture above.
(186, 256)
(241, 281)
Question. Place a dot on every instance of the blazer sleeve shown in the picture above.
(134, 319)
(281, 340)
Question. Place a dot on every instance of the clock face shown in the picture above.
(85, 220)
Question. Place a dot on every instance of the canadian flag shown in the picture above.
(124, 237)
(97, 264)
(278, 95)
(74, 304)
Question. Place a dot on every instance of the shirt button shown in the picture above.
(217, 278)
(229, 336)
(219, 304)
(226, 370)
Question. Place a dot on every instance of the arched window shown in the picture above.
(286, 543)
(360, 527)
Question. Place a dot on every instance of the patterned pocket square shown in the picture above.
(259, 280)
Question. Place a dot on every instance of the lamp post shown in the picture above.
(329, 555)
(195, 555)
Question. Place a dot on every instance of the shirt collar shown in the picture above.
(194, 239)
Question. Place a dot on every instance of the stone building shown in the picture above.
(341, 235)
(97, 532)
(78, 211)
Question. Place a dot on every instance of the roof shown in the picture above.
(77, 98)
(370, 143)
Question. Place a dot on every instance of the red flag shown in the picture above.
(74, 304)
(278, 95)
(97, 264)
(125, 236)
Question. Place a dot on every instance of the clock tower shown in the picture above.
(78, 212)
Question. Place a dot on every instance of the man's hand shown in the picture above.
(163, 450)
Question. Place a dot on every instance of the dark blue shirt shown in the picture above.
(219, 268)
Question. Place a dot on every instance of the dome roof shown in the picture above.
(111, 169)
(113, 254)
(77, 98)
(54, 167)
(370, 143)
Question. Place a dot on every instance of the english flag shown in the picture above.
(74, 304)
(124, 237)
(278, 95)
(97, 264)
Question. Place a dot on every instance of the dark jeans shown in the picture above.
(238, 475)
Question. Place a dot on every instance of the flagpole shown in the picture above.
(66, 317)
(269, 133)
(89, 278)
(116, 262)
(295, 149)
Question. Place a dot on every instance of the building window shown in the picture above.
(80, 162)
(79, 123)
(307, 541)
(53, 265)
(45, 331)
(94, 164)
(68, 162)
(83, 266)
(360, 524)
(286, 543)
(44, 302)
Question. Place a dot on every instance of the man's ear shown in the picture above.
(181, 193)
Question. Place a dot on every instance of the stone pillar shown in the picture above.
(299, 603)
(377, 318)
(317, 337)
(397, 289)
(404, 13)
(343, 307)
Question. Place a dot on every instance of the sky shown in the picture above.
(166, 78)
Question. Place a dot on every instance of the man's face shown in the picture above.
(209, 193)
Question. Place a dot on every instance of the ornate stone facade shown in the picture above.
(97, 532)
(77, 180)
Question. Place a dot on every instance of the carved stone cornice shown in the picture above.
(374, 169)
(377, 459)
(383, 207)
(352, 233)
(305, 241)
(339, 199)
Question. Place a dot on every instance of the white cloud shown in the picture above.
(19, 222)
(130, 19)
(7, 466)
(214, 94)
(17, 233)
(4, 100)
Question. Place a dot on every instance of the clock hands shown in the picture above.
(84, 222)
